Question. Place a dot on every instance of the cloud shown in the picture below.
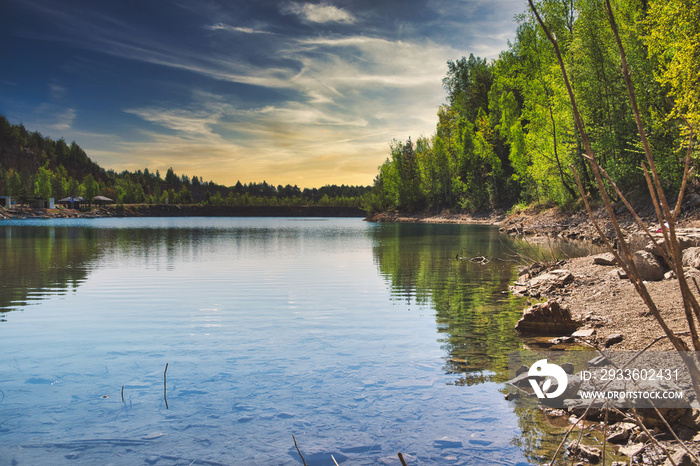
(229, 28)
(64, 120)
(290, 106)
(318, 13)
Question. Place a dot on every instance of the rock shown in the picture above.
(548, 318)
(604, 259)
(545, 283)
(511, 396)
(584, 333)
(598, 361)
(691, 418)
(573, 384)
(596, 412)
(622, 274)
(686, 240)
(613, 339)
(670, 275)
(590, 454)
(679, 458)
(522, 369)
(632, 450)
(561, 340)
(554, 412)
(648, 266)
(568, 367)
(621, 432)
(691, 257)
(650, 419)
(532, 270)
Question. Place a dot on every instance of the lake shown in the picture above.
(360, 339)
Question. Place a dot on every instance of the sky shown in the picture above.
(305, 93)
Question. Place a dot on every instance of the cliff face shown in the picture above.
(19, 159)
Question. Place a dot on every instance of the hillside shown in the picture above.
(32, 165)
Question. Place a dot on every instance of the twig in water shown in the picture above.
(299, 451)
(165, 398)
(403, 461)
(123, 394)
(334, 461)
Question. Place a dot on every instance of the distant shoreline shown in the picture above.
(145, 210)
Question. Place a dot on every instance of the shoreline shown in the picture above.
(186, 210)
(597, 296)
(484, 218)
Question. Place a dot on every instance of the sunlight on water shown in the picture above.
(362, 340)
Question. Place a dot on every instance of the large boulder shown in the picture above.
(648, 266)
(548, 318)
(686, 239)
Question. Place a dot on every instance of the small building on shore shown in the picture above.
(43, 203)
(5, 201)
(72, 202)
(101, 200)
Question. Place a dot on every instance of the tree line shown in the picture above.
(506, 133)
(33, 166)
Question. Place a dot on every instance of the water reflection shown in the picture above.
(38, 262)
(429, 265)
(270, 326)
(475, 313)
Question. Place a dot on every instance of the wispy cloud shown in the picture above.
(318, 13)
(64, 120)
(229, 28)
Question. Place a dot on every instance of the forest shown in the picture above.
(506, 134)
(33, 166)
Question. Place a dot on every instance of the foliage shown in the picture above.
(42, 185)
(506, 133)
(674, 40)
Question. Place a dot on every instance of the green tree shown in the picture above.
(674, 40)
(42, 185)
(89, 188)
(14, 183)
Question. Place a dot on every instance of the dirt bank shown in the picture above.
(485, 218)
(610, 305)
